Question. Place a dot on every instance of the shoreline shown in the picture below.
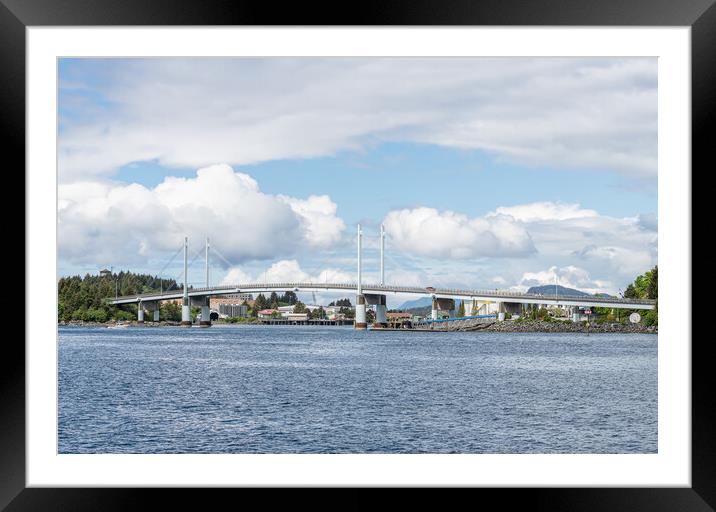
(547, 327)
(507, 326)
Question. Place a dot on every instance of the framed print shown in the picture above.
(416, 248)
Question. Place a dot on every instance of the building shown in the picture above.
(299, 317)
(398, 317)
(105, 272)
(233, 310)
(286, 310)
(334, 312)
(266, 313)
(234, 299)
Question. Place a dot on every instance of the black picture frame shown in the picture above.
(700, 15)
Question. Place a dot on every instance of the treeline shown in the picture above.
(84, 298)
(645, 286)
(274, 300)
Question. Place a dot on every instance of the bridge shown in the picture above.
(443, 299)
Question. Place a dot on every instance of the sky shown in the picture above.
(486, 172)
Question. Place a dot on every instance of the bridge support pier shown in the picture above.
(377, 300)
(156, 314)
(205, 314)
(185, 315)
(380, 313)
(360, 322)
(140, 313)
(575, 314)
(434, 311)
(500, 311)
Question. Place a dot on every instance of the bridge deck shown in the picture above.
(480, 295)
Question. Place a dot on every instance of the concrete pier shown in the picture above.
(380, 313)
(156, 314)
(140, 313)
(379, 301)
(205, 315)
(360, 321)
(185, 315)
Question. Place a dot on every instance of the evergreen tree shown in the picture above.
(273, 300)
(652, 288)
(261, 303)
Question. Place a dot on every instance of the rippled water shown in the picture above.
(266, 389)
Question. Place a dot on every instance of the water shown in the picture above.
(265, 389)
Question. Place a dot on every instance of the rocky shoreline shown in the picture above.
(540, 326)
(506, 326)
(133, 323)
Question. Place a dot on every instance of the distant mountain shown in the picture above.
(549, 289)
(417, 303)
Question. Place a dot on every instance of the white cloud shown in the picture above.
(569, 277)
(287, 271)
(589, 113)
(113, 223)
(318, 216)
(546, 210)
(585, 249)
(429, 232)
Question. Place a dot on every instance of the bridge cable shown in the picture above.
(161, 272)
(218, 253)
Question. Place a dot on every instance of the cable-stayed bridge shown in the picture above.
(443, 299)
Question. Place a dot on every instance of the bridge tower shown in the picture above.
(360, 318)
(381, 308)
(205, 313)
(185, 309)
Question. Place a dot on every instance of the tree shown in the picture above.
(461, 309)
(370, 316)
(85, 298)
(261, 303)
(631, 292)
(652, 288)
(170, 311)
(289, 298)
(300, 307)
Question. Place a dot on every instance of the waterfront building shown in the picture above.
(300, 317)
(234, 299)
(233, 310)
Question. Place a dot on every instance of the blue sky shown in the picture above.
(486, 172)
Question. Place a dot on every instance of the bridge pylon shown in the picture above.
(360, 318)
(185, 308)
